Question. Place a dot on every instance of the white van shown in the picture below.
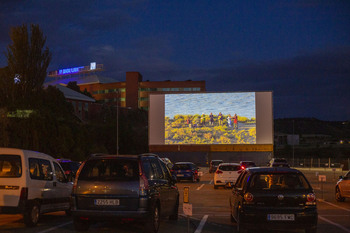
(32, 183)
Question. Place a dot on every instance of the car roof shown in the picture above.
(105, 156)
(271, 169)
(184, 163)
(225, 164)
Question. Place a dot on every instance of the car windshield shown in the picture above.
(110, 169)
(229, 168)
(270, 181)
(10, 166)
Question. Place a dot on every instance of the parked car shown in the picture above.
(214, 165)
(226, 174)
(278, 162)
(274, 199)
(246, 164)
(32, 183)
(70, 168)
(110, 187)
(342, 188)
(186, 171)
(168, 162)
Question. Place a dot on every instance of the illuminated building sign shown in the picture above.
(70, 70)
(76, 70)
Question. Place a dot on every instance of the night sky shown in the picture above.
(300, 50)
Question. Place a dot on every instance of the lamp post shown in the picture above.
(293, 142)
(117, 122)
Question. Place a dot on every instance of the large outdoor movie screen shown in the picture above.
(211, 118)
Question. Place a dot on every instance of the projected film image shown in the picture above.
(210, 118)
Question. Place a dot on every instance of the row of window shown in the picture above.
(111, 100)
(106, 91)
(171, 89)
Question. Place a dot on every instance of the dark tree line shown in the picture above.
(35, 118)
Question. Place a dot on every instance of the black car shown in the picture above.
(246, 164)
(138, 187)
(70, 168)
(214, 165)
(185, 171)
(278, 162)
(273, 199)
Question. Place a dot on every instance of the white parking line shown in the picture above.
(56, 227)
(333, 223)
(200, 187)
(339, 207)
(201, 224)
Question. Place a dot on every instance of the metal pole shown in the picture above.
(293, 142)
(118, 124)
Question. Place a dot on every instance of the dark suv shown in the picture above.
(110, 187)
(273, 199)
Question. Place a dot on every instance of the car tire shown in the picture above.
(215, 186)
(240, 227)
(175, 215)
(232, 218)
(32, 214)
(194, 179)
(338, 195)
(81, 225)
(152, 223)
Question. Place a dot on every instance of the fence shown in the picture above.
(343, 163)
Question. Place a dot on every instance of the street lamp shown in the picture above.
(117, 122)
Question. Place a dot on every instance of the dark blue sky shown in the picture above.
(300, 50)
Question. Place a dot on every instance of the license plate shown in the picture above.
(180, 175)
(107, 202)
(280, 217)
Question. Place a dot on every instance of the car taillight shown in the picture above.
(311, 199)
(242, 167)
(195, 172)
(248, 197)
(24, 194)
(144, 187)
(218, 172)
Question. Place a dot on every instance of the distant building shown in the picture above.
(133, 93)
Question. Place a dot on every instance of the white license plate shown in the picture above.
(107, 202)
(280, 217)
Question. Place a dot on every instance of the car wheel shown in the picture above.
(240, 227)
(31, 215)
(80, 224)
(194, 179)
(231, 216)
(338, 195)
(152, 224)
(215, 186)
(175, 214)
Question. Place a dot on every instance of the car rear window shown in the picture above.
(229, 167)
(110, 169)
(10, 166)
(248, 164)
(182, 167)
(269, 181)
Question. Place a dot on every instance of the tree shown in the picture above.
(27, 64)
